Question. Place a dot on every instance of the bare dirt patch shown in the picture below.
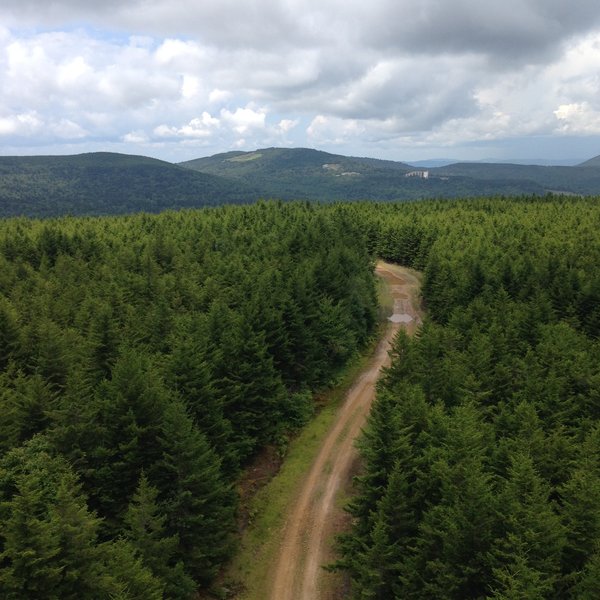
(262, 469)
(317, 515)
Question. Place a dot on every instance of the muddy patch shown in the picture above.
(400, 318)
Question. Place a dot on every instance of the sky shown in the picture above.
(395, 79)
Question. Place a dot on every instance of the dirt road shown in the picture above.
(315, 517)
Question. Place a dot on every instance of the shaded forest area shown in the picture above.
(144, 361)
(482, 451)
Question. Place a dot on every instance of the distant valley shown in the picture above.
(108, 183)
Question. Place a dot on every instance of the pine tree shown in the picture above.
(26, 402)
(457, 524)
(199, 506)
(51, 355)
(189, 373)
(532, 530)
(518, 579)
(49, 538)
(128, 578)
(145, 530)
(10, 335)
(104, 341)
(30, 545)
(378, 564)
(588, 586)
(250, 389)
(129, 410)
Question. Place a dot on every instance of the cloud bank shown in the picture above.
(392, 78)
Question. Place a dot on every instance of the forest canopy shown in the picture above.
(482, 451)
(146, 359)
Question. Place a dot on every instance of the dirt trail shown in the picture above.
(314, 518)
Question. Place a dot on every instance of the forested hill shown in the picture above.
(593, 162)
(583, 179)
(105, 183)
(306, 174)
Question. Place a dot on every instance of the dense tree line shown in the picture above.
(144, 360)
(482, 452)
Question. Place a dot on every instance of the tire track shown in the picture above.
(310, 527)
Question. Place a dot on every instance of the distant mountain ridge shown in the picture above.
(307, 174)
(303, 173)
(108, 183)
(592, 162)
(101, 183)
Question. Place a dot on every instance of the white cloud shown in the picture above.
(135, 137)
(191, 87)
(67, 130)
(180, 55)
(357, 75)
(578, 118)
(31, 124)
(73, 73)
(22, 124)
(334, 130)
(286, 125)
(199, 127)
(218, 96)
(244, 120)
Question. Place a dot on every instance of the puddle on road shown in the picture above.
(400, 318)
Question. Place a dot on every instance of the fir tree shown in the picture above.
(199, 506)
(145, 530)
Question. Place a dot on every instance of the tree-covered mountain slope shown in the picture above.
(592, 162)
(573, 180)
(107, 183)
(306, 174)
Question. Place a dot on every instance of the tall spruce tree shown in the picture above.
(198, 503)
(146, 531)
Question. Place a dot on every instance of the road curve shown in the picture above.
(311, 526)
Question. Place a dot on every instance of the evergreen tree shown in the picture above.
(49, 539)
(199, 506)
(378, 564)
(129, 412)
(145, 530)
(250, 389)
(532, 530)
(457, 525)
(188, 371)
(518, 579)
(129, 579)
(588, 587)
(26, 404)
(10, 335)
(104, 340)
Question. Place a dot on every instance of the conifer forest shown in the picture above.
(145, 360)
